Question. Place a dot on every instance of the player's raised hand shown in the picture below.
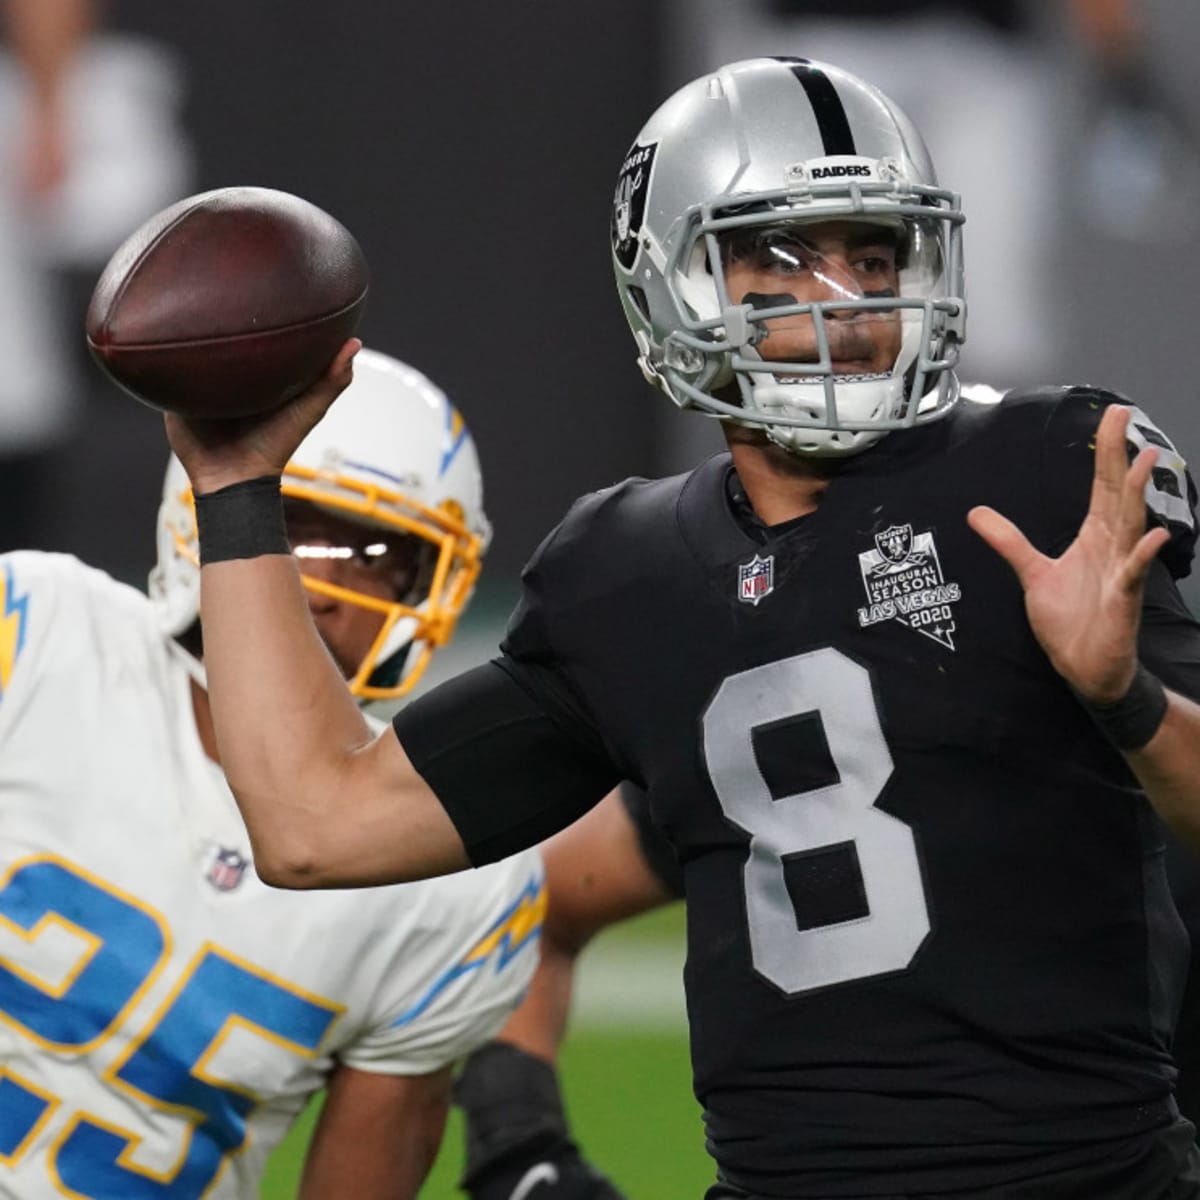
(217, 452)
(1084, 607)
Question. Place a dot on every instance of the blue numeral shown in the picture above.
(20, 1111)
(167, 1067)
(129, 944)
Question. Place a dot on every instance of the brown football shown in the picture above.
(228, 303)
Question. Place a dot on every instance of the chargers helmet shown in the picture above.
(392, 452)
(750, 147)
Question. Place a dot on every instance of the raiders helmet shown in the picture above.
(392, 453)
(770, 144)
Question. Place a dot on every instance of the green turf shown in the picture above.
(630, 1103)
(628, 1092)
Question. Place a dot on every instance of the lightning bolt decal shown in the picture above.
(14, 612)
(455, 435)
(517, 927)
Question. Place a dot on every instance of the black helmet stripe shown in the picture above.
(827, 106)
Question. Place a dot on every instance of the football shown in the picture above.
(227, 304)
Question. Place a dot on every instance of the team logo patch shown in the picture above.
(904, 582)
(629, 201)
(227, 868)
(756, 579)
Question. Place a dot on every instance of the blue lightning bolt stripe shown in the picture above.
(13, 622)
(368, 469)
(518, 926)
(456, 435)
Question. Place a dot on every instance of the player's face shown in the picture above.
(361, 558)
(801, 263)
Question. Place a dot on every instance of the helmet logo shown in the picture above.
(629, 202)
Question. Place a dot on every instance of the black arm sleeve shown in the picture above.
(1169, 646)
(506, 755)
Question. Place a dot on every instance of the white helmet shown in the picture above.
(392, 452)
(771, 142)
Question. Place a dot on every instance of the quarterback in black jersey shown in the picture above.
(905, 678)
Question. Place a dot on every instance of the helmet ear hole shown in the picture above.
(638, 296)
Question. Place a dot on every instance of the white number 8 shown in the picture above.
(828, 683)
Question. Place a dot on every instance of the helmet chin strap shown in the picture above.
(799, 440)
(819, 441)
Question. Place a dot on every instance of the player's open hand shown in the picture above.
(1084, 607)
(219, 452)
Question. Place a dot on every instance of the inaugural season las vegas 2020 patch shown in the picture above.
(904, 582)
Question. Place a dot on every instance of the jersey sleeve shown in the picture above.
(454, 983)
(16, 597)
(1069, 462)
(36, 594)
(510, 748)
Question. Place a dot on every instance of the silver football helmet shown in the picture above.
(392, 453)
(745, 161)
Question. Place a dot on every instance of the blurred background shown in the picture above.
(472, 148)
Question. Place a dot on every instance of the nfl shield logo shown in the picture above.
(756, 579)
(227, 869)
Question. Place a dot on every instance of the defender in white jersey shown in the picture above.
(164, 1015)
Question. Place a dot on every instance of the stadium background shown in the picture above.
(472, 148)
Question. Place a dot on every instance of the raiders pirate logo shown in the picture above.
(904, 582)
(629, 202)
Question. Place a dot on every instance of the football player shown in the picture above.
(164, 1013)
(905, 676)
(609, 865)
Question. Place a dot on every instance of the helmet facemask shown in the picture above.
(387, 485)
(426, 560)
(826, 328)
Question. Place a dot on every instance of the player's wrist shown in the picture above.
(243, 519)
(509, 1099)
(1133, 718)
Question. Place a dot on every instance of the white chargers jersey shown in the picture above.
(163, 1014)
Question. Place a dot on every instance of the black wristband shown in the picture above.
(1129, 723)
(242, 520)
(511, 1103)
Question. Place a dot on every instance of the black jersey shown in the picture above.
(930, 945)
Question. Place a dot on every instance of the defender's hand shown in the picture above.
(559, 1174)
(217, 453)
(518, 1143)
(1084, 607)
